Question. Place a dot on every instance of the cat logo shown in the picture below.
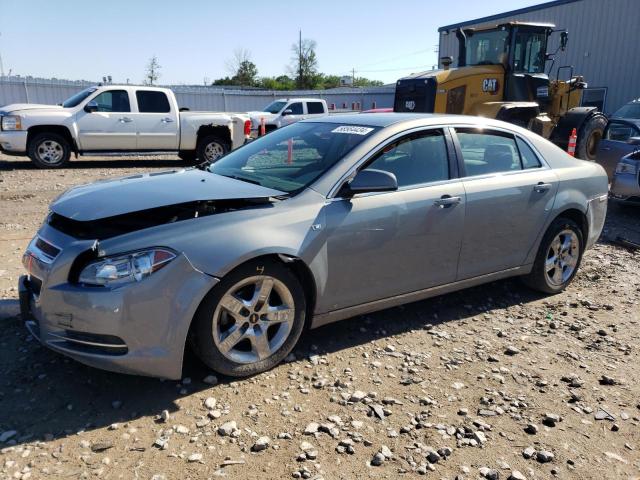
(490, 85)
(410, 105)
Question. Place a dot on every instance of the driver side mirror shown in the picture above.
(91, 107)
(564, 38)
(367, 181)
(633, 140)
(288, 111)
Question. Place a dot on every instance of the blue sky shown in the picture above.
(194, 39)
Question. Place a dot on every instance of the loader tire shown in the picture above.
(589, 136)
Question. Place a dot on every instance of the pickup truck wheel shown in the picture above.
(49, 150)
(211, 148)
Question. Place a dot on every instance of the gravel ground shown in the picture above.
(493, 382)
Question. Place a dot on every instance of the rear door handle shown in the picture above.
(447, 201)
(542, 187)
(606, 149)
(125, 120)
(167, 120)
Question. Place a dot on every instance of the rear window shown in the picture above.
(152, 102)
(314, 108)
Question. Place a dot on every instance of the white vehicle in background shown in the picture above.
(118, 119)
(282, 112)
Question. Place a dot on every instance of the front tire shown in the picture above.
(210, 148)
(558, 258)
(251, 320)
(49, 150)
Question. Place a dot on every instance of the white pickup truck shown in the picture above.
(287, 111)
(115, 119)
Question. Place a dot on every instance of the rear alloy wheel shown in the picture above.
(558, 257)
(49, 150)
(211, 148)
(251, 320)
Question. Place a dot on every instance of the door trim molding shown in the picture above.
(336, 315)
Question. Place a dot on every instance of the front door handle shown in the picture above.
(447, 201)
(542, 187)
(125, 120)
(167, 120)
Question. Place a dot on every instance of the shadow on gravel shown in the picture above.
(45, 395)
(100, 162)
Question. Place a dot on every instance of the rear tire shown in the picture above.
(589, 137)
(251, 320)
(210, 148)
(49, 150)
(558, 258)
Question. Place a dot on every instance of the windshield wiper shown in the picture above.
(242, 179)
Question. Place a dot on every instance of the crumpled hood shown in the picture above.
(151, 190)
(16, 107)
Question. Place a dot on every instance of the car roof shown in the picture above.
(392, 118)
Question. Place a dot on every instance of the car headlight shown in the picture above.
(628, 168)
(127, 268)
(11, 122)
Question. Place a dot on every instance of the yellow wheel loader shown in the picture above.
(501, 74)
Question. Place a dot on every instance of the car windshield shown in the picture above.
(78, 97)
(293, 157)
(275, 107)
(630, 110)
(486, 48)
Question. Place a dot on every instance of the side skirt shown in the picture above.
(325, 318)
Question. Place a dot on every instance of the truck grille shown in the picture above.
(415, 95)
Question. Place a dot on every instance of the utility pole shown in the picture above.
(1, 65)
(300, 58)
(353, 77)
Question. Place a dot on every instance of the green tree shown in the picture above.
(304, 64)
(246, 74)
(153, 71)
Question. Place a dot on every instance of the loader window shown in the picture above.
(487, 47)
(529, 52)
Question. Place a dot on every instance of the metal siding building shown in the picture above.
(603, 45)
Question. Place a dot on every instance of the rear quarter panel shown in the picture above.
(583, 186)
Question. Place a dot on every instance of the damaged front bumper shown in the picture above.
(138, 328)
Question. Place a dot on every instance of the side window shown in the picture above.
(486, 152)
(415, 159)
(152, 102)
(528, 157)
(315, 108)
(620, 131)
(296, 108)
(113, 101)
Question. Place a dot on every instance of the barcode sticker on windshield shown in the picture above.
(353, 130)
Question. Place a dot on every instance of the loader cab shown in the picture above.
(521, 48)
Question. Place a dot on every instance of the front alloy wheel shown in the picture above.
(251, 320)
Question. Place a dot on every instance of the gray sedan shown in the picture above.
(316, 222)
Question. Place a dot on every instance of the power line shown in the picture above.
(395, 69)
(397, 57)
